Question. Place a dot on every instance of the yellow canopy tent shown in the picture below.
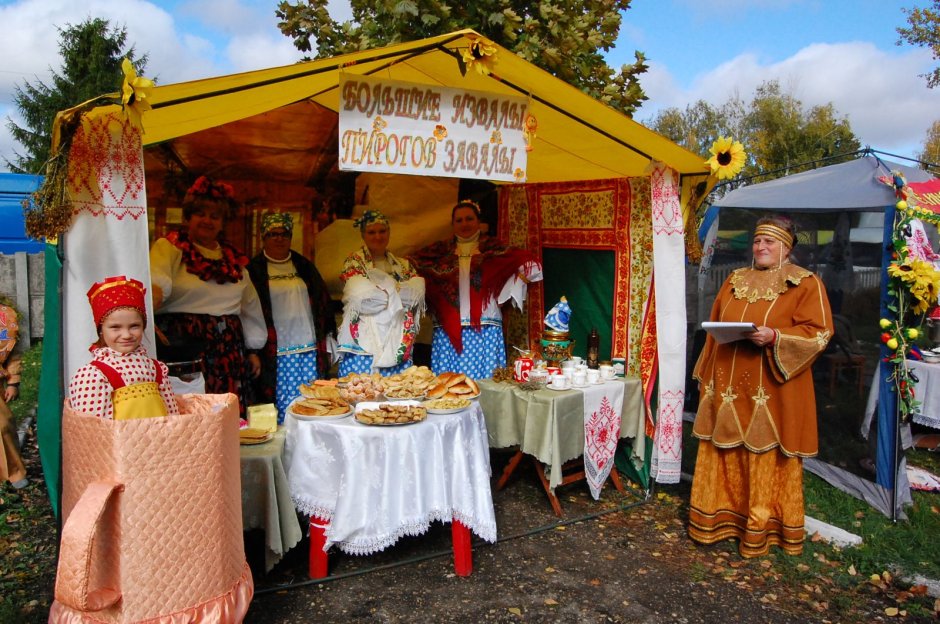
(278, 127)
(579, 138)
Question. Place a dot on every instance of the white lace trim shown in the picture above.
(484, 530)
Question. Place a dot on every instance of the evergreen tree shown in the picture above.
(91, 66)
(564, 37)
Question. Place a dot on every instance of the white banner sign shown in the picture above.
(416, 129)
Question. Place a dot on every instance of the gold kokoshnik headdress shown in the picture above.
(775, 232)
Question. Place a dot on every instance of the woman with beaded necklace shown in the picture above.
(298, 312)
(202, 292)
(756, 419)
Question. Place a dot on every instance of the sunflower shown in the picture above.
(135, 94)
(481, 55)
(727, 159)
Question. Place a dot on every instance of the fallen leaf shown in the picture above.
(515, 610)
(551, 602)
(549, 569)
(595, 582)
(609, 557)
(802, 567)
(919, 590)
(891, 611)
(852, 571)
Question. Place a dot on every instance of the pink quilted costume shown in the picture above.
(153, 523)
(151, 497)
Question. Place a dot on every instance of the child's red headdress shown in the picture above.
(116, 292)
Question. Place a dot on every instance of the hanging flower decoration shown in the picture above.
(728, 157)
(206, 187)
(529, 128)
(480, 55)
(913, 288)
(135, 94)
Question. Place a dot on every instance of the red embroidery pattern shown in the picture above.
(613, 218)
(601, 433)
(667, 215)
(106, 170)
(669, 427)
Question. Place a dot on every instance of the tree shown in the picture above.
(91, 66)
(924, 31)
(563, 37)
(931, 152)
(776, 130)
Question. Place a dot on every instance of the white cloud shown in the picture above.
(881, 93)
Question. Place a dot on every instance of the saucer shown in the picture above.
(551, 387)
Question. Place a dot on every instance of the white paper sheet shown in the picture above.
(728, 332)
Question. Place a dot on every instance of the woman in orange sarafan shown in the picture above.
(757, 416)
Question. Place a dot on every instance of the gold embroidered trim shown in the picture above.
(753, 284)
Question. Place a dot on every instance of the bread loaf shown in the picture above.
(455, 379)
(437, 391)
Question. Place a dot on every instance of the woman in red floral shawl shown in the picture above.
(203, 296)
(467, 279)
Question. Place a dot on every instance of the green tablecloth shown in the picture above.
(266, 501)
(549, 424)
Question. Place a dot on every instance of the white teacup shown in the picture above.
(581, 368)
(579, 378)
(593, 376)
(607, 371)
(559, 382)
(577, 359)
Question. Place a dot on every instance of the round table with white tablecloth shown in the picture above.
(376, 484)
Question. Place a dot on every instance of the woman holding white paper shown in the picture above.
(757, 414)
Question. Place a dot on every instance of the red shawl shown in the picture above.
(489, 270)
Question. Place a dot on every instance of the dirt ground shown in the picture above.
(620, 559)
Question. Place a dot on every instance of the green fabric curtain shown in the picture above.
(586, 278)
(49, 422)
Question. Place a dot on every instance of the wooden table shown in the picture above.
(549, 426)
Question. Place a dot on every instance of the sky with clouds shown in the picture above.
(839, 51)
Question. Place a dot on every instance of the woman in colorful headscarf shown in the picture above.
(203, 296)
(298, 312)
(756, 419)
(383, 298)
(469, 277)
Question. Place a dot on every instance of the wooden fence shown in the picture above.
(23, 281)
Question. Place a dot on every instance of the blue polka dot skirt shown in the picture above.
(483, 352)
(293, 369)
(354, 363)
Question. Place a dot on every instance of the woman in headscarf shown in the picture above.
(298, 313)
(756, 419)
(383, 298)
(203, 296)
(468, 278)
